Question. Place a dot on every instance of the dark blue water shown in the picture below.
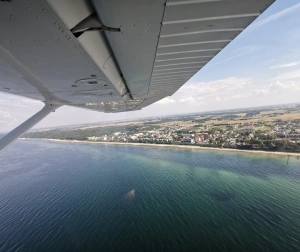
(93, 197)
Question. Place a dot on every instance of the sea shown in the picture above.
(66, 196)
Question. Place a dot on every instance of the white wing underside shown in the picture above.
(159, 47)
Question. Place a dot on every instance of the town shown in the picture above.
(269, 129)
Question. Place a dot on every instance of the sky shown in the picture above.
(260, 67)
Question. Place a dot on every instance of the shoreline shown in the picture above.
(172, 146)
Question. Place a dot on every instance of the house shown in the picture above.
(138, 134)
(283, 133)
(188, 140)
(169, 139)
(247, 129)
(229, 142)
(198, 139)
(201, 137)
(295, 137)
(186, 135)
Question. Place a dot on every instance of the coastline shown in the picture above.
(172, 146)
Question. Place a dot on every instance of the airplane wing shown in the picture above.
(115, 55)
(111, 55)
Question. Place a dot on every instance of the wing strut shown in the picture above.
(27, 125)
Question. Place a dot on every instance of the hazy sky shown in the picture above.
(260, 67)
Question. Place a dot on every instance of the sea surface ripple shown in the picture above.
(83, 197)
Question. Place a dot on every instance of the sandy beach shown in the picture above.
(195, 147)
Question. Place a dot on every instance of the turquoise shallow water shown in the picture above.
(83, 197)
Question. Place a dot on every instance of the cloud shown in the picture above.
(295, 74)
(260, 92)
(166, 100)
(7, 118)
(30, 101)
(218, 98)
(277, 87)
(223, 86)
(208, 92)
(16, 109)
(9, 101)
(192, 100)
(275, 16)
(231, 89)
(291, 64)
(230, 98)
(238, 97)
(280, 86)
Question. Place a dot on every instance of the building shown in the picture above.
(201, 137)
(247, 129)
(283, 133)
(188, 140)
